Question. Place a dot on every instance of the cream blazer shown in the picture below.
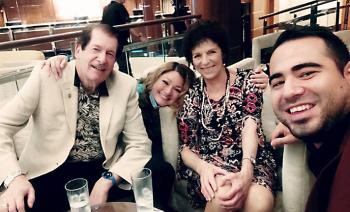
(53, 106)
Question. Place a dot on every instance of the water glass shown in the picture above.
(78, 195)
(143, 191)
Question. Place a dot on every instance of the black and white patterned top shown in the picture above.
(87, 145)
(220, 143)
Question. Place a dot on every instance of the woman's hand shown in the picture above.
(281, 135)
(240, 182)
(259, 78)
(55, 65)
(207, 174)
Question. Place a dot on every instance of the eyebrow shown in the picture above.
(305, 65)
(294, 69)
(176, 86)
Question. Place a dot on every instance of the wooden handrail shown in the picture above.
(305, 8)
(157, 21)
(306, 17)
(293, 8)
(38, 40)
(67, 35)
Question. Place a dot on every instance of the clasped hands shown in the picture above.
(227, 188)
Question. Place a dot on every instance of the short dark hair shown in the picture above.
(201, 31)
(337, 50)
(85, 37)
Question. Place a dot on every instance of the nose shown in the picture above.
(167, 90)
(293, 89)
(204, 59)
(102, 57)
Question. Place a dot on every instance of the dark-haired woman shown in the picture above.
(224, 156)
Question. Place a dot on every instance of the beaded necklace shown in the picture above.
(206, 109)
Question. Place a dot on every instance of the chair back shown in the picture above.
(261, 45)
(23, 55)
(345, 36)
(15, 67)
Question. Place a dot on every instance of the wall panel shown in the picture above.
(29, 11)
(12, 10)
(261, 8)
(228, 14)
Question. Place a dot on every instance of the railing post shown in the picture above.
(265, 26)
(313, 15)
(337, 12)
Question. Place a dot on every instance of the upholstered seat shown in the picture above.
(15, 66)
(345, 36)
(261, 43)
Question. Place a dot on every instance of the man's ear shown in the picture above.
(346, 71)
(77, 50)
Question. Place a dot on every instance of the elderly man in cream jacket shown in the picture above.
(76, 124)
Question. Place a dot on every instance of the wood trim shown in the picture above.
(344, 12)
(270, 7)
(68, 35)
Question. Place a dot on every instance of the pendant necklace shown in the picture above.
(207, 109)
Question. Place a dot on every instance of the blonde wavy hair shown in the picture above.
(185, 72)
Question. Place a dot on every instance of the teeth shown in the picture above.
(98, 67)
(299, 108)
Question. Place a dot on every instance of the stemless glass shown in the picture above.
(143, 191)
(78, 195)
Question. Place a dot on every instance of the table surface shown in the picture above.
(114, 206)
(117, 207)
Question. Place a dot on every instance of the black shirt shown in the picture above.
(116, 14)
(151, 120)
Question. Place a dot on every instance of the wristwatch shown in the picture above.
(11, 177)
(109, 176)
(251, 159)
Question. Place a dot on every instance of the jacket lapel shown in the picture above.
(106, 108)
(70, 96)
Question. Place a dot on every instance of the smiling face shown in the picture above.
(207, 59)
(167, 89)
(309, 92)
(95, 62)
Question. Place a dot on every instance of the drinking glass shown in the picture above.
(143, 191)
(78, 195)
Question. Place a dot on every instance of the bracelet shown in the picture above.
(109, 176)
(251, 159)
(11, 177)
